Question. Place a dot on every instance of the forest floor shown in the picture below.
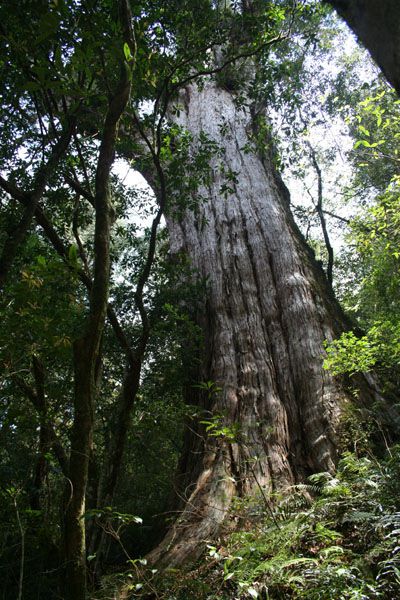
(335, 537)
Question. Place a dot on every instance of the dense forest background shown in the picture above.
(152, 262)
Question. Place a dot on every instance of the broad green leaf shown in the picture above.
(127, 52)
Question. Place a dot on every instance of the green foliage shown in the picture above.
(375, 125)
(350, 354)
(60, 61)
(215, 427)
(339, 542)
(375, 237)
(63, 60)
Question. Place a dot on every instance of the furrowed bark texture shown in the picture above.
(269, 309)
(376, 23)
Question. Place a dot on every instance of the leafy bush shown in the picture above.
(335, 537)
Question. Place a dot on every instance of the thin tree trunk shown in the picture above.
(321, 215)
(22, 561)
(86, 349)
(269, 310)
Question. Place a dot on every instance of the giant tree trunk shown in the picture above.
(269, 310)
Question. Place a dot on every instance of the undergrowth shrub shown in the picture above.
(336, 537)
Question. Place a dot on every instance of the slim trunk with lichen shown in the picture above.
(85, 355)
(269, 309)
(86, 349)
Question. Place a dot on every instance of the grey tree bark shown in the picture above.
(269, 309)
(376, 23)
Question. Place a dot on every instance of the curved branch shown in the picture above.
(17, 235)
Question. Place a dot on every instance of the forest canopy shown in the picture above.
(199, 279)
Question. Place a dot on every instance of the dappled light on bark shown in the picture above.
(269, 309)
